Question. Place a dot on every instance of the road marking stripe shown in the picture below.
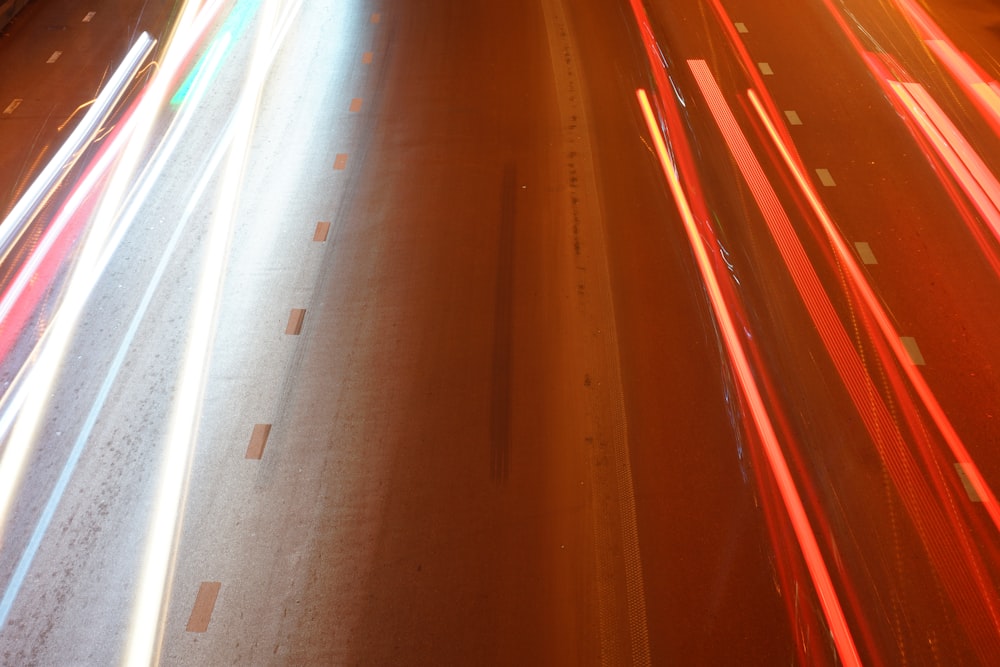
(13, 105)
(865, 253)
(765, 68)
(355, 105)
(367, 57)
(54, 57)
(793, 117)
(970, 488)
(825, 178)
(89, 17)
(322, 231)
(376, 18)
(204, 604)
(910, 344)
(295, 319)
(258, 439)
(340, 161)
(741, 27)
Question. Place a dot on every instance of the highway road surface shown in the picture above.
(533, 332)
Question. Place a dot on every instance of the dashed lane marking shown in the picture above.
(258, 440)
(910, 344)
(793, 117)
(825, 178)
(89, 17)
(967, 483)
(322, 231)
(295, 319)
(367, 57)
(340, 161)
(741, 27)
(865, 253)
(355, 105)
(204, 604)
(13, 106)
(765, 68)
(54, 57)
(376, 18)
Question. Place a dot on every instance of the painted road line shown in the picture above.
(910, 344)
(765, 68)
(355, 105)
(89, 17)
(367, 57)
(13, 106)
(376, 18)
(204, 604)
(970, 488)
(865, 253)
(340, 161)
(825, 178)
(322, 231)
(258, 439)
(793, 117)
(54, 57)
(741, 27)
(295, 319)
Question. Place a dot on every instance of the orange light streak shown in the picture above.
(829, 601)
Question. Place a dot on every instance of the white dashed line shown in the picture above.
(54, 57)
(967, 483)
(825, 178)
(793, 117)
(865, 253)
(741, 27)
(89, 17)
(13, 106)
(765, 68)
(910, 344)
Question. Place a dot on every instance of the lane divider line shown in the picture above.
(355, 105)
(322, 232)
(204, 605)
(910, 343)
(54, 57)
(258, 440)
(765, 69)
(793, 117)
(295, 319)
(340, 161)
(865, 252)
(825, 178)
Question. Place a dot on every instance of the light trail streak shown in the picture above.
(983, 91)
(146, 626)
(27, 557)
(832, 610)
(14, 225)
(32, 403)
(881, 317)
(946, 538)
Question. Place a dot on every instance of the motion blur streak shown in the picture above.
(953, 149)
(47, 366)
(877, 311)
(15, 223)
(146, 626)
(982, 90)
(23, 565)
(944, 533)
(839, 629)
